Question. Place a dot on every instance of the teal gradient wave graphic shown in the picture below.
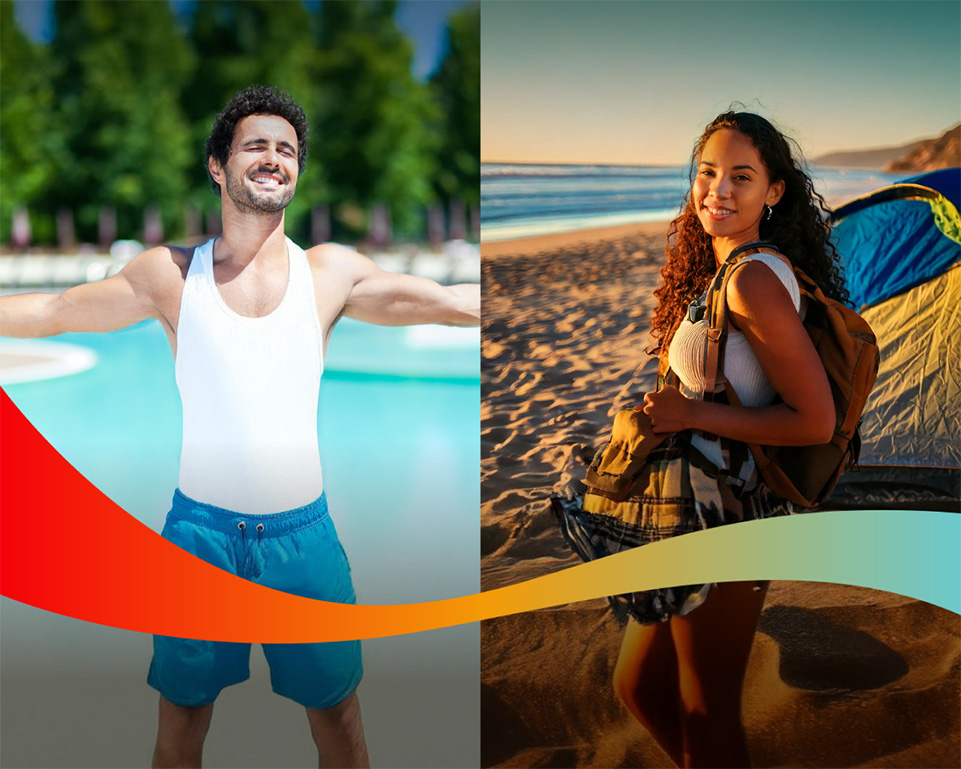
(909, 552)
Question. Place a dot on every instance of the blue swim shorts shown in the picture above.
(295, 551)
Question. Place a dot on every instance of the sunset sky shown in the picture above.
(636, 82)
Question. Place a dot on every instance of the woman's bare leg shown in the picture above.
(645, 681)
(713, 644)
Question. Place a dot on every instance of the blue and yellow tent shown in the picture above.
(901, 250)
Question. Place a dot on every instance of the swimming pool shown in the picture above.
(404, 401)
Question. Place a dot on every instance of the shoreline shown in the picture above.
(556, 241)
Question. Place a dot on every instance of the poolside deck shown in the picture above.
(457, 262)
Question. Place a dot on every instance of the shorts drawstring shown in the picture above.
(248, 546)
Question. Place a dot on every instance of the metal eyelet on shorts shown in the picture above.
(260, 527)
(241, 525)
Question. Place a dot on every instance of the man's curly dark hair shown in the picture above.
(254, 100)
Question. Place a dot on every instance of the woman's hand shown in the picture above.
(760, 306)
(670, 412)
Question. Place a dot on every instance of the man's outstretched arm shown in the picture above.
(117, 302)
(389, 299)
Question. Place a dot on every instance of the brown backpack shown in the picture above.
(847, 347)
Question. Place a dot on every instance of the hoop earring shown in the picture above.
(770, 212)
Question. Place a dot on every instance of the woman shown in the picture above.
(684, 654)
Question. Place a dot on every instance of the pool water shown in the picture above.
(405, 401)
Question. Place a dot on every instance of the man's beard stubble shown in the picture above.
(263, 204)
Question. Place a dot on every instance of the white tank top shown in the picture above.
(687, 356)
(687, 353)
(249, 388)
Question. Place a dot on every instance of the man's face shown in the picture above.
(261, 172)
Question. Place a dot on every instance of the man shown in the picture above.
(248, 316)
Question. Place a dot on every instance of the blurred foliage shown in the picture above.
(456, 87)
(114, 111)
(32, 132)
(374, 120)
(120, 70)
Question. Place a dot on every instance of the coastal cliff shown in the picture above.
(915, 157)
(931, 154)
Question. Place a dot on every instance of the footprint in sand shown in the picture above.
(821, 655)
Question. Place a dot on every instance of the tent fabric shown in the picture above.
(947, 181)
(945, 213)
(881, 261)
(912, 417)
(897, 237)
(902, 263)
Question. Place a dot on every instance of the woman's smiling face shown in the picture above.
(732, 187)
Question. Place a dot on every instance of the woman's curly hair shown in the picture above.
(254, 100)
(798, 227)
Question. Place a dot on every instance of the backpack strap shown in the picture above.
(665, 374)
(715, 351)
(717, 335)
(717, 330)
(731, 477)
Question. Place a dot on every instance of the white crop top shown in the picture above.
(249, 388)
(688, 349)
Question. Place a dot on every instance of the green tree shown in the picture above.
(374, 119)
(32, 154)
(253, 42)
(120, 70)
(457, 85)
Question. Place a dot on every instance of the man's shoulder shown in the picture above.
(343, 260)
(161, 266)
(333, 252)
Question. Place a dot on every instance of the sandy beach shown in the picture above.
(839, 676)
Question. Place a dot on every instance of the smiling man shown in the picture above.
(248, 316)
